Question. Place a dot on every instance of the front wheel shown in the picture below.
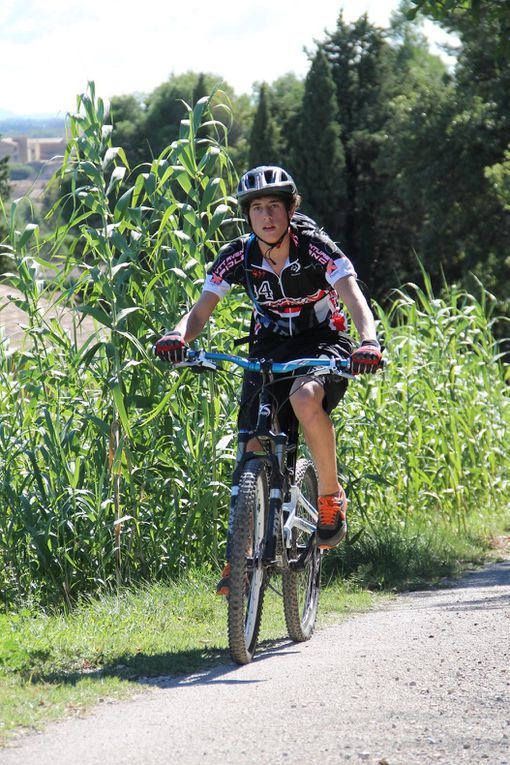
(247, 574)
(301, 587)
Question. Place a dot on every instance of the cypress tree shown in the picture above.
(200, 90)
(319, 160)
(4, 196)
(264, 133)
(4, 178)
(362, 66)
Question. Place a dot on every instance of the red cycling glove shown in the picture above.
(367, 358)
(171, 348)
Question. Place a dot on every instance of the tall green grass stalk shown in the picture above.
(105, 461)
(427, 446)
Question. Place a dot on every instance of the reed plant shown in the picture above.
(108, 458)
(425, 450)
(116, 469)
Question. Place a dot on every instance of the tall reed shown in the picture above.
(110, 462)
(430, 440)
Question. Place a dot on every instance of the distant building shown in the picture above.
(25, 150)
(10, 148)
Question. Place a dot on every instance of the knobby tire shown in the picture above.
(247, 575)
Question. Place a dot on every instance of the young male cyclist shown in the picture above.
(298, 280)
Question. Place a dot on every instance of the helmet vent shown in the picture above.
(263, 181)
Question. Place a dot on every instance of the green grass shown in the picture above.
(397, 556)
(53, 665)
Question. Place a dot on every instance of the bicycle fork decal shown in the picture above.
(275, 507)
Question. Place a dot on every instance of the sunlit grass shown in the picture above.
(52, 665)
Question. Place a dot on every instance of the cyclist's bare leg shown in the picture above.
(306, 398)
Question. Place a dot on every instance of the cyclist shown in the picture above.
(298, 280)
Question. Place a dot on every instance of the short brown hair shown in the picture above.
(292, 201)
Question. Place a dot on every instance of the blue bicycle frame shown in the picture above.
(280, 449)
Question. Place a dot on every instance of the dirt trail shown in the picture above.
(424, 679)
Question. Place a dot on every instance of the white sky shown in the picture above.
(50, 49)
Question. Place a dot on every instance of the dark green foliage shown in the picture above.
(264, 149)
(318, 156)
(4, 179)
(201, 89)
(147, 124)
(5, 262)
(286, 95)
(164, 111)
(451, 147)
(449, 10)
(361, 61)
(128, 113)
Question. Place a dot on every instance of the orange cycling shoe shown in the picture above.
(223, 586)
(332, 524)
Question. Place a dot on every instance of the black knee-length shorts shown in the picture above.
(326, 345)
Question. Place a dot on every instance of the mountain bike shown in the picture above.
(273, 513)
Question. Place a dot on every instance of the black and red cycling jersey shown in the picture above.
(302, 297)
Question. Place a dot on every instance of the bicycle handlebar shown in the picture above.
(207, 359)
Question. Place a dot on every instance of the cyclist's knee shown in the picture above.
(306, 399)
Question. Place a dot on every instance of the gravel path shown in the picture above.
(423, 679)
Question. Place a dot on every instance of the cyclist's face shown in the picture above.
(269, 218)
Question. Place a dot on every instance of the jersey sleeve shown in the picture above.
(336, 263)
(339, 267)
(226, 270)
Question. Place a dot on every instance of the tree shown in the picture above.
(483, 85)
(286, 95)
(264, 149)
(146, 125)
(240, 131)
(165, 110)
(319, 160)
(4, 196)
(447, 163)
(362, 65)
(412, 162)
(200, 90)
(128, 118)
(446, 10)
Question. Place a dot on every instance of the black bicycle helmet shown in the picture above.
(266, 180)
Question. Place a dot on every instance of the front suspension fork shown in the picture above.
(275, 462)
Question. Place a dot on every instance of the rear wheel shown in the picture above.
(247, 575)
(301, 587)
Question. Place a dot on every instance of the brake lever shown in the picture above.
(198, 365)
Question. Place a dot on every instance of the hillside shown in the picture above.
(33, 127)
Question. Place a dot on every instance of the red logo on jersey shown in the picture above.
(339, 323)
